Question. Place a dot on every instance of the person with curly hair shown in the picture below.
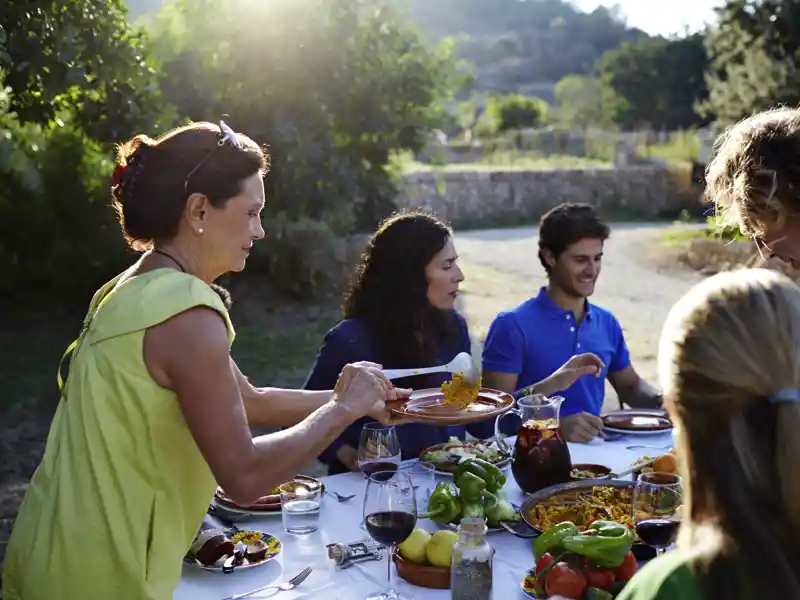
(399, 311)
(754, 181)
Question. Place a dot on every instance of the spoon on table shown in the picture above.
(629, 470)
(461, 364)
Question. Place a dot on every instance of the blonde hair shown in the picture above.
(727, 347)
(754, 178)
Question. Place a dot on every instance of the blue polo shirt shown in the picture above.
(537, 337)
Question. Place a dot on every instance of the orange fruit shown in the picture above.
(666, 464)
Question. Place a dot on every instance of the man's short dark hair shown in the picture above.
(567, 224)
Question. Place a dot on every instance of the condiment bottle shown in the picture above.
(471, 563)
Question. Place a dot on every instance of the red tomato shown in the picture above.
(627, 569)
(561, 580)
(543, 562)
(599, 578)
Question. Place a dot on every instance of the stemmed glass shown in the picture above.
(390, 512)
(657, 508)
(378, 450)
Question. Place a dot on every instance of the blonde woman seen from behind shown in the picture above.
(729, 364)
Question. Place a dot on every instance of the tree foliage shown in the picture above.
(515, 112)
(333, 87)
(81, 55)
(580, 101)
(655, 82)
(754, 52)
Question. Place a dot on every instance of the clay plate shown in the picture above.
(633, 420)
(596, 470)
(269, 503)
(448, 467)
(427, 406)
(422, 575)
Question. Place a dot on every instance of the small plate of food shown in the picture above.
(224, 552)
(457, 402)
(445, 457)
(269, 505)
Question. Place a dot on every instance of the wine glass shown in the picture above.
(657, 509)
(378, 449)
(390, 513)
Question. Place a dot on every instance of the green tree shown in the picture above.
(334, 88)
(580, 101)
(754, 51)
(515, 112)
(81, 55)
(655, 82)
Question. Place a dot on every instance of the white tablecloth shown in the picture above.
(340, 523)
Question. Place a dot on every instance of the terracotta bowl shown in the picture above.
(425, 576)
(597, 470)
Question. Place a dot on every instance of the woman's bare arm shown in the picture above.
(277, 407)
(189, 355)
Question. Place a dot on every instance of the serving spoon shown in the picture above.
(462, 364)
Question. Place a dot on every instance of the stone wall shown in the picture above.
(485, 198)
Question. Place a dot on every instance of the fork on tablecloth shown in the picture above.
(286, 585)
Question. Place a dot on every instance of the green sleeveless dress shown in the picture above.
(122, 488)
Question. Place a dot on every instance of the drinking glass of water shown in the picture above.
(300, 507)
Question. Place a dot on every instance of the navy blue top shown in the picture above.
(537, 337)
(351, 341)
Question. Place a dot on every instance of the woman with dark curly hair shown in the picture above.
(400, 312)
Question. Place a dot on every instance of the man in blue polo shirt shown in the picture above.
(526, 346)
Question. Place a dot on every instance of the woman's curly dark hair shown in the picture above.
(389, 290)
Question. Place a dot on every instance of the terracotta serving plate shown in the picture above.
(428, 406)
(422, 575)
(269, 503)
(449, 466)
(635, 420)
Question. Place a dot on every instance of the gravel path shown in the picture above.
(503, 269)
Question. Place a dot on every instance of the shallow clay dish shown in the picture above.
(595, 470)
(269, 503)
(428, 406)
(422, 575)
(637, 421)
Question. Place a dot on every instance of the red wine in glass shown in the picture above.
(371, 467)
(390, 514)
(390, 527)
(658, 532)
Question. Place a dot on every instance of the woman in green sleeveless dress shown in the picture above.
(154, 412)
(729, 364)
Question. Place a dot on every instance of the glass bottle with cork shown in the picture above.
(471, 566)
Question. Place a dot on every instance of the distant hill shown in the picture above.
(522, 45)
(514, 45)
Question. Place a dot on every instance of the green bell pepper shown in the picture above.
(497, 479)
(552, 539)
(473, 490)
(472, 509)
(443, 505)
(605, 543)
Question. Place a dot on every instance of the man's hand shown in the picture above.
(575, 368)
(348, 456)
(581, 427)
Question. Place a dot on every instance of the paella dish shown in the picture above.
(582, 507)
(459, 392)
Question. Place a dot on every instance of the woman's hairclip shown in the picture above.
(229, 135)
(785, 396)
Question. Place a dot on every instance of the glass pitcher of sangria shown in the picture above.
(540, 458)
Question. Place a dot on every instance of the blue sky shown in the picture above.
(660, 16)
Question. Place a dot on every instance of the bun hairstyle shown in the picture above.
(154, 178)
